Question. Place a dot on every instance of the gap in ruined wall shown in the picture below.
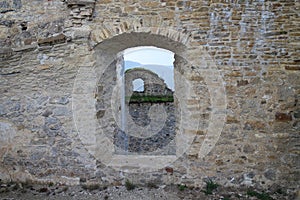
(138, 85)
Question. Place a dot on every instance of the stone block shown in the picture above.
(242, 82)
(60, 38)
(283, 117)
(297, 114)
(82, 32)
(25, 48)
(8, 5)
(6, 51)
(80, 2)
(292, 67)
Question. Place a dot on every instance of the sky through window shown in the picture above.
(157, 60)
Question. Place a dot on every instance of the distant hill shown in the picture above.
(131, 64)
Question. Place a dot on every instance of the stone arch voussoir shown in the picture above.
(109, 30)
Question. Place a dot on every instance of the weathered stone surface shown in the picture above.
(283, 117)
(270, 174)
(6, 50)
(52, 53)
(7, 134)
(297, 114)
(63, 100)
(10, 5)
(291, 67)
(25, 48)
(61, 38)
(242, 82)
(80, 2)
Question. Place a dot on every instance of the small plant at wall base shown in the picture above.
(129, 185)
(152, 185)
(261, 196)
(210, 187)
(181, 187)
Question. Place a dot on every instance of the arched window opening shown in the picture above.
(147, 103)
(138, 85)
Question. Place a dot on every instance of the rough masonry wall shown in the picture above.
(153, 84)
(254, 44)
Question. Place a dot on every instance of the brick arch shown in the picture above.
(192, 64)
(108, 31)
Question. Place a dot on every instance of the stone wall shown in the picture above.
(236, 82)
(153, 84)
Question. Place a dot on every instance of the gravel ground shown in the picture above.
(18, 192)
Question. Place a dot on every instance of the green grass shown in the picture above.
(210, 187)
(150, 99)
(261, 196)
(181, 187)
(129, 185)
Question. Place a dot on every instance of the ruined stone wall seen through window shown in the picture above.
(148, 84)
